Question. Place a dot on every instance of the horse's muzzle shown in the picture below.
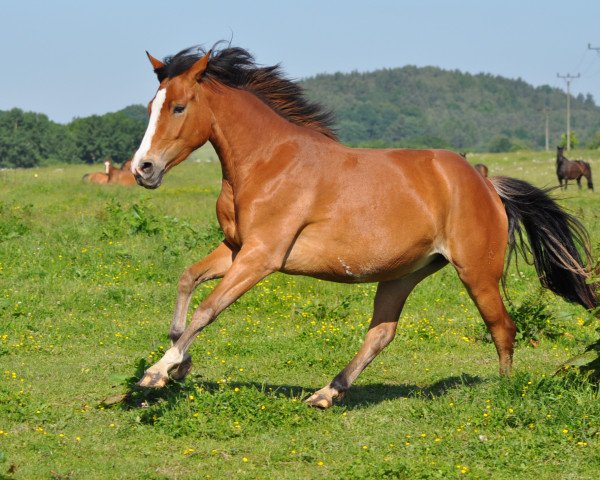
(148, 175)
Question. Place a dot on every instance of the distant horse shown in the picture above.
(295, 200)
(482, 169)
(112, 175)
(572, 170)
(99, 177)
(121, 176)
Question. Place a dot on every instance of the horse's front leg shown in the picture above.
(213, 266)
(249, 266)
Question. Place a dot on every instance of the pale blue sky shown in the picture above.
(70, 58)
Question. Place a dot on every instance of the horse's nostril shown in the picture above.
(146, 167)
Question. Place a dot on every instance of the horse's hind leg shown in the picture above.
(483, 287)
(214, 265)
(579, 182)
(389, 300)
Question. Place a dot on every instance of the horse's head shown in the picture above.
(559, 153)
(180, 119)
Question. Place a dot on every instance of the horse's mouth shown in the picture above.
(150, 183)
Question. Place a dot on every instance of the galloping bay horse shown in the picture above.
(297, 201)
(572, 170)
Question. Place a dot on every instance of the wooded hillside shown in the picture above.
(431, 107)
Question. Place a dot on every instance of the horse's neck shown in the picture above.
(245, 131)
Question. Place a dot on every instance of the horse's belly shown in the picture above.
(359, 261)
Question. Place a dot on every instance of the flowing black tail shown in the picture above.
(557, 240)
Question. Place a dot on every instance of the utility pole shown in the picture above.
(547, 129)
(568, 77)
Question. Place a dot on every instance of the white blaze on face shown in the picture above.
(157, 104)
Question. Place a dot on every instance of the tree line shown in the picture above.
(402, 107)
(30, 139)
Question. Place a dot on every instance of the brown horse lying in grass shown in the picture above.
(99, 177)
(112, 175)
(297, 201)
(121, 176)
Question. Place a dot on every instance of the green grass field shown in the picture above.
(88, 279)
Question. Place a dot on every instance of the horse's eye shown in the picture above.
(178, 108)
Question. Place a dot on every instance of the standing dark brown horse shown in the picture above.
(295, 200)
(572, 170)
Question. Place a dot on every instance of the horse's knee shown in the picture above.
(187, 282)
(175, 332)
(382, 335)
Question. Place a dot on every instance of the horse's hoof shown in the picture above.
(318, 400)
(153, 380)
(180, 371)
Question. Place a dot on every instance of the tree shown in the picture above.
(28, 139)
(573, 138)
(113, 135)
(501, 144)
(595, 143)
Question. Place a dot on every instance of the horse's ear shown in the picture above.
(156, 63)
(197, 69)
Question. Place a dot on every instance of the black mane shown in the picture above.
(236, 67)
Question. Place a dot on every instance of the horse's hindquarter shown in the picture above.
(377, 215)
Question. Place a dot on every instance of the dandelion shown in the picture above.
(245, 459)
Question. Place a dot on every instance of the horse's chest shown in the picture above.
(226, 214)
